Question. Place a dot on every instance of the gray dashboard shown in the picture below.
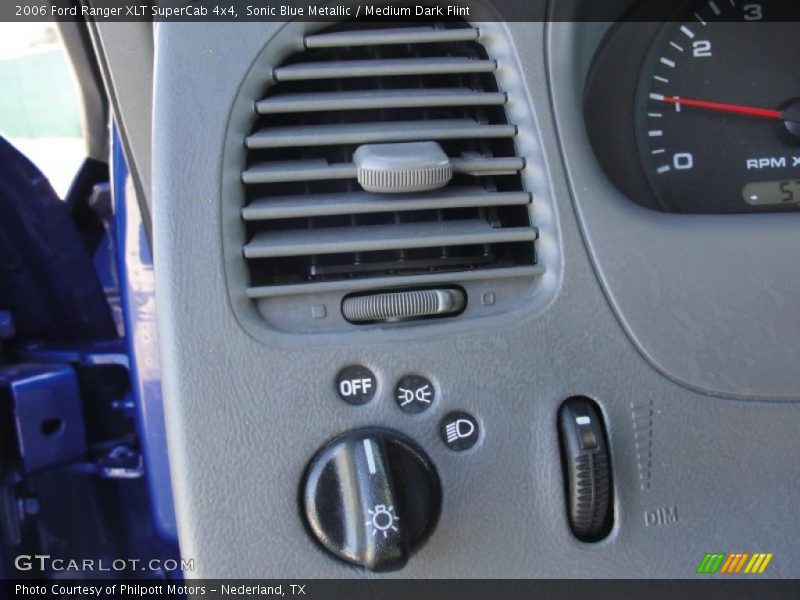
(690, 355)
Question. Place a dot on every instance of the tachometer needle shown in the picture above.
(738, 109)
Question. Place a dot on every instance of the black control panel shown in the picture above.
(372, 496)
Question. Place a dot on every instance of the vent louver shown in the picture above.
(311, 228)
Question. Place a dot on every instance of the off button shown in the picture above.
(356, 384)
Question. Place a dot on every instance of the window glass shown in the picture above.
(39, 108)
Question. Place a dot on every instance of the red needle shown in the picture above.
(738, 109)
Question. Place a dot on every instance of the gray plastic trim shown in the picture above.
(124, 53)
(427, 98)
(506, 290)
(272, 320)
(376, 68)
(314, 170)
(288, 207)
(373, 37)
(334, 240)
(363, 133)
(247, 405)
(355, 285)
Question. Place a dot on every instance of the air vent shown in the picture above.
(311, 228)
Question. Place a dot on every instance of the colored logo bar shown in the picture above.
(734, 562)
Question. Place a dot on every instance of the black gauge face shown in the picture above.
(718, 109)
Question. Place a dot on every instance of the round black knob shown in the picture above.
(371, 497)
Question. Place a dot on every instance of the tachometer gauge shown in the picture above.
(708, 121)
(718, 109)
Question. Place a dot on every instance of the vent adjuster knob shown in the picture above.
(400, 168)
(397, 306)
